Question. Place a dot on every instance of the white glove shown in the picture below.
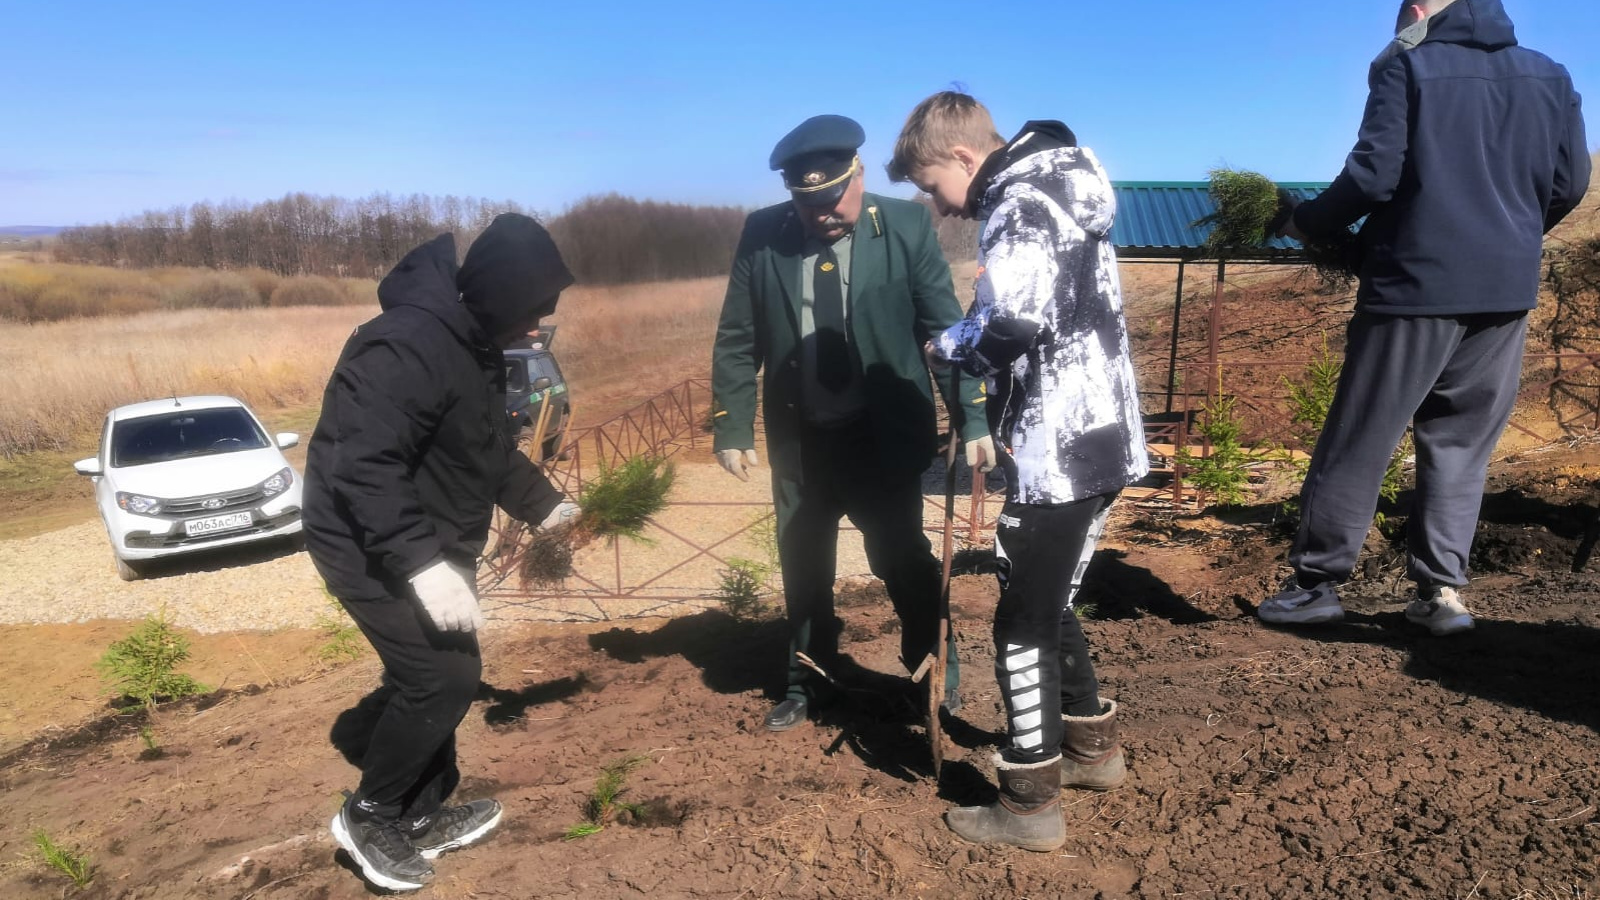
(448, 596)
(980, 454)
(738, 462)
(564, 512)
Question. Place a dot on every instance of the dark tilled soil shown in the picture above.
(1356, 761)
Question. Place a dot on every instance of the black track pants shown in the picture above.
(1454, 380)
(1041, 655)
(430, 679)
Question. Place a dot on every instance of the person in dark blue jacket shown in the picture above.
(1471, 148)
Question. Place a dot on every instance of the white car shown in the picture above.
(190, 473)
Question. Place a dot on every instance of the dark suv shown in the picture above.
(533, 379)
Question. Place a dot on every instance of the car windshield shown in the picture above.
(183, 433)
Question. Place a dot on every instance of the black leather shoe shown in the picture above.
(786, 715)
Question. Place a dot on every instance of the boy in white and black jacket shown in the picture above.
(1047, 328)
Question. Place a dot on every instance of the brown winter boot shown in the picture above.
(1091, 754)
(1027, 815)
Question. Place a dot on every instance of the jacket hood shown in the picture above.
(1045, 156)
(426, 278)
(513, 274)
(1483, 24)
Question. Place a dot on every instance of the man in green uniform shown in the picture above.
(831, 298)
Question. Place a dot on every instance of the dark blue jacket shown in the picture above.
(1471, 148)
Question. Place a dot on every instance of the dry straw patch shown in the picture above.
(1272, 667)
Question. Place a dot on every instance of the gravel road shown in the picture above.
(68, 576)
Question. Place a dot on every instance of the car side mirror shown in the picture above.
(542, 383)
(90, 466)
(287, 439)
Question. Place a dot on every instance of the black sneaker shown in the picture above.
(385, 855)
(455, 827)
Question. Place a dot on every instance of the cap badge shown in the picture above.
(813, 178)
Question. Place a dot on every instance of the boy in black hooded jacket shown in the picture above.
(406, 464)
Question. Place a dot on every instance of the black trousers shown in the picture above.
(1041, 659)
(430, 679)
(841, 477)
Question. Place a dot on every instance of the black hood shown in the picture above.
(513, 273)
(1473, 23)
(426, 278)
(1035, 136)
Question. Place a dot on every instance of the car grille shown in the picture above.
(219, 503)
(144, 540)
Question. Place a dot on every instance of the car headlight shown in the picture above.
(139, 504)
(278, 483)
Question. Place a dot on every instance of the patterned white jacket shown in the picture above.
(1047, 325)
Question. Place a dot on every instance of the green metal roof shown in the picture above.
(1155, 221)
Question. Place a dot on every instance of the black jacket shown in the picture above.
(1471, 148)
(412, 452)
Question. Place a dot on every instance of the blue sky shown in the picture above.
(115, 108)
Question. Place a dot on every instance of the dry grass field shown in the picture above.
(61, 377)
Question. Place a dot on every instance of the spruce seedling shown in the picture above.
(605, 800)
(70, 862)
(1225, 471)
(143, 665)
(740, 587)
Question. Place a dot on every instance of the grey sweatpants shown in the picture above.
(1454, 379)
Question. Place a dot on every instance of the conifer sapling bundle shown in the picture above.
(1251, 210)
(619, 503)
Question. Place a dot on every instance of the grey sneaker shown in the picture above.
(1296, 605)
(455, 827)
(385, 855)
(1440, 610)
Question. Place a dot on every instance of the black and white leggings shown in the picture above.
(1041, 655)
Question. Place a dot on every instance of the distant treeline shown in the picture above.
(605, 240)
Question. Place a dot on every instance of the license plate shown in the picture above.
(214, 524)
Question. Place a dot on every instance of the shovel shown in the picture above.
(933, 666)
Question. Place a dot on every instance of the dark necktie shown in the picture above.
(833, 353)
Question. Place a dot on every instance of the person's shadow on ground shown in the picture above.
(877, 716)
(1112, 588)
(351, 733)
(1550, 668)
(733, 655)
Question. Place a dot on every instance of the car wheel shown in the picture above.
(126, 570)
(552, 444)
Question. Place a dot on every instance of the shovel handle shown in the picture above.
(938, 658)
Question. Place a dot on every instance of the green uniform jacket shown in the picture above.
(900, 296)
